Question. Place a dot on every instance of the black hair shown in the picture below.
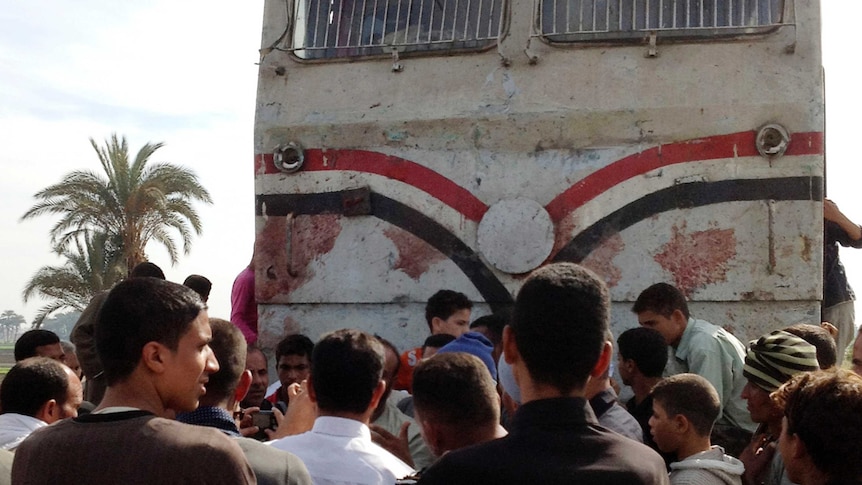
(147, 270)
(691, 396)
(31, 383)
(200, 284)
(138, 311)
(646, 347)
(456, 389)
(560, 323)
(294, 344)
(346, 367)
(26, 344)
(662, 299)
(229, 347)
(494, 323)
(444, 304)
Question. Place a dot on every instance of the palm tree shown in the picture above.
(134, 202)
(96, 266)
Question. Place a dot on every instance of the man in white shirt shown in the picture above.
(346, 384)
(36, 392)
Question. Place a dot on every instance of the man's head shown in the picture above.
(229, 347)
(822, 425)
(559, 327)
(71, 357)
(663, 307)
(771, 361)
(821, 339)
(454, 396)
(293, 359)
(857, 354)
(391, 365)
(158, 331)
(434, 343)
(147, 270)
(448, 311)
(200, 284)
(641, 350)
(684, 406)
(255, 362)
(42, 388)
(491, 326)
(346, 373)
(39, 343)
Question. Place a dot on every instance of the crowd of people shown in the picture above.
(172, 395)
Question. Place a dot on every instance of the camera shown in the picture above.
(264, 420)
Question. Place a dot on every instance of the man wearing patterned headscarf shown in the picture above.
(770, 362)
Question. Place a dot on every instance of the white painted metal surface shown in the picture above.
(647, 167)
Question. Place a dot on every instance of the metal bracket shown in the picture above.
(396, 61)
(652, 50)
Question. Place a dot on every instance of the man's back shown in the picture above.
(340, 451)
(129, 447)
(272, 466)
(552, 441)
(715, 354)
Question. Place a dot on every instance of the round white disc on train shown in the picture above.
(516, 235)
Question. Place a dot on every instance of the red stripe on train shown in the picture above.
(711, 148)
(391, 167)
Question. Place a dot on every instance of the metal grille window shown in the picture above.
(598, 20)
(351, 28)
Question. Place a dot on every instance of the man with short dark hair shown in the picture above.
(685, 407)
(201, 284)
(346, 383)
(36, 392)
(39, 343)
(607, 408)
(153, 341)
(224, 390)
(555, 343)
(821, 428)
(641, 358)
(293, 365)
(448, 312)
(456, 402)
(707, 350)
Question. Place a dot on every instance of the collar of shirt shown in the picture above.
(334, 426)
(212, 417)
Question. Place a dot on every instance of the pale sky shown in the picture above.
(184, 73)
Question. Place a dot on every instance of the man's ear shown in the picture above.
(678, 318)
(604, 360)
(312, 396)
(243, 386)
(153, 356)
(681, 424)
(49, 412)
(796, 447)
(435, 324)
(377, 394)
(432, 436)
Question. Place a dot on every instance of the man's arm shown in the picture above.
(850, 228)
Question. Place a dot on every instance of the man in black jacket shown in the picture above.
(555, 344)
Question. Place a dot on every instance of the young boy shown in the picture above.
(447, 312)
(685, 407)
